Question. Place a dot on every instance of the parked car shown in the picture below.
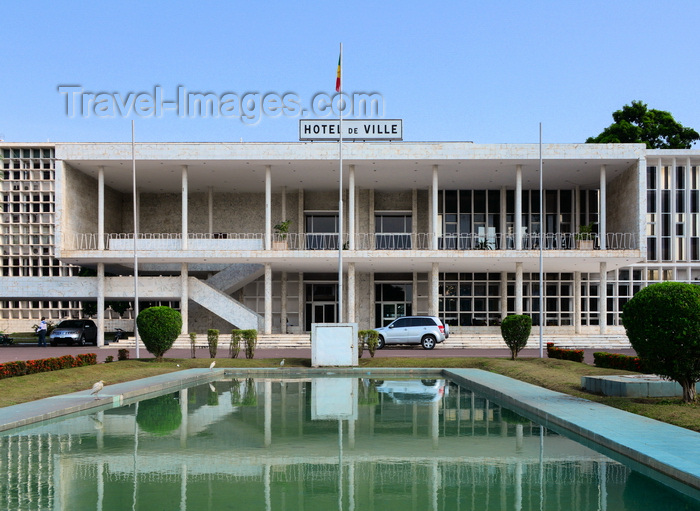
(424, 330)
(74, 331)
(413, 391)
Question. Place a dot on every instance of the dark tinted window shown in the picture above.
(403, 322)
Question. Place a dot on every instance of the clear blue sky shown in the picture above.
(486, 72)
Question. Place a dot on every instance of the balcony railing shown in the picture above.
(329, 241)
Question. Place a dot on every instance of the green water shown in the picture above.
(322, 444)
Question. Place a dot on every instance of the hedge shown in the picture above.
(564, 354)
(617, 361)
(21, 368)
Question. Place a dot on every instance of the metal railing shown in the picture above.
(362, 241)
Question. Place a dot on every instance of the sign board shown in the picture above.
(353, 129)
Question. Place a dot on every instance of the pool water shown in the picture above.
(314, 444)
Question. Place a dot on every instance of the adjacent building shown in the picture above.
(446, 228)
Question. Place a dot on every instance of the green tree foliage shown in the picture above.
(160, 415)
(657, 129)
(663, 325)
(159, 327)
(515, 330)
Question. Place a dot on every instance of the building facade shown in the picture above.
(452, 229)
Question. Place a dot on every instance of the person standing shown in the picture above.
(42, 332)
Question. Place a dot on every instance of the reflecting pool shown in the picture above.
(314, 444)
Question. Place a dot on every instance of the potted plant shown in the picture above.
(281, 231)
(585, 237)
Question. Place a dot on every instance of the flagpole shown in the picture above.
(542, 224)
(340, 187)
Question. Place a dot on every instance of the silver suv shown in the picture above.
(424, 330)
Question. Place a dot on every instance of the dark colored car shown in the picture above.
(74, 331)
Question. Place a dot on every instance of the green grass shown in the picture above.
(560, 375)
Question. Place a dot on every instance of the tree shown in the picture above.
(655, 128)
(159, 327)
(663, 325)
(515, 330)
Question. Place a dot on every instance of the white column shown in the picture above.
(577, 302)
(351, 293)
(372, 300)
(577, 208)
(210, 207)
(603, 298)
(518, 207)
(351, 208)
(688, 216)
(518, 288)
(184, 297)
(101, 208)
(414, 305)
(283, 303)
(434, 289)
(100, 304)
(414, 220)
(184, 207)
(434, 209)
(300, 217)
(603, 206)
(504, 294)
(302, 301)
(503, 240)
(268, 208)
(268, 298)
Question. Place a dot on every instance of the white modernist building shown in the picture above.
(446, 228)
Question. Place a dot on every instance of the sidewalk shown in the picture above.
(28, 352)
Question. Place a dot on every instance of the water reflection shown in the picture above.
(347, 444)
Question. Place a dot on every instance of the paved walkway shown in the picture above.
(29, 352)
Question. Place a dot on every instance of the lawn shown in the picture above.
(560, 375)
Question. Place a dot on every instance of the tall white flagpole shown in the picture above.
(340, 187)
(136, 235)
(542, 238)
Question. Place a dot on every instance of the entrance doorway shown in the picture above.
(321, 304)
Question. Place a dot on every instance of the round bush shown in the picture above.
(515, 330)
(160, 415)
(159, 327)
(663, 325)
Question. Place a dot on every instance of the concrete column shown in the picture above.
(351, 293)
(370, 227)
(603, 206)
(300, 215)
(414, 294)
(101, 208)
(184, 297)
(434, 209)
(268, 208)
(688, 216)
(302, 301)
(351, 209)
(283, 303)
(577, 208)
(434, 289)
(504, 294)
(414, 219)
(504, 223)
(603, 298)
(577, 302)
(283, 205)
(672, 200)
(372, 300)
(518, 207)
(268, 298)
(184, 207)
(518, 288)
(210, 203)
(100, 304)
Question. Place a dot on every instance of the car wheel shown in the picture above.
(380, 342)
(81, 341)
(428, 342)
(428, 383)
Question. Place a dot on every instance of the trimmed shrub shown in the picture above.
(235, 347)
(193, 347)
(563, 353)
(663, 325)
(20, 368)
(109, 359)
(251, 340)
(159, 327)
(159, 415)
(370, 338)
(515, 330)
(212, 341)
(618, 361)
(123, 354)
